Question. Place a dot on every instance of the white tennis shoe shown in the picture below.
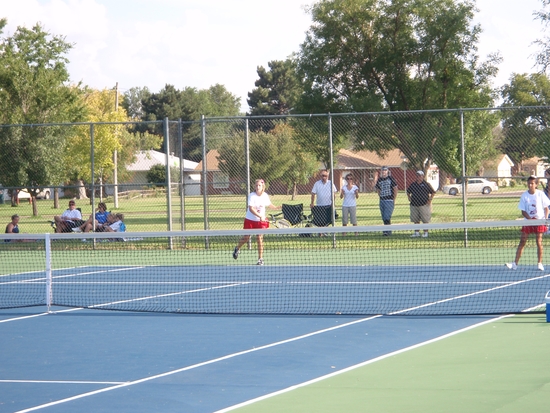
(512, 266)
(540, 266)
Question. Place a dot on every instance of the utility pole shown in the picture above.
(115, 159)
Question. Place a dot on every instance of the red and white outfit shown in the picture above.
(534, 205)
(259, 204)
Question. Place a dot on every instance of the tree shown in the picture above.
(189, 105)
(157, 175)
(132, 102)
(34, 90)
(372, 55)
(108, 138)
(525, 129)
(277, 89)
(272, 154)
(542, 58)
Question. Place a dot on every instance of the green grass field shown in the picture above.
(227, 212)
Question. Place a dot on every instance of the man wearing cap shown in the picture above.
(70, 218)
(387, 191)
(420, 194)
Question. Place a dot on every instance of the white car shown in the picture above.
(45, 193)
(474, 186)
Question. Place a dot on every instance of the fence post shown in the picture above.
(464, 186)
(247, 163)
(333, 206)
(168, 178)
(204, 179)
(92, 153)
(182, 176)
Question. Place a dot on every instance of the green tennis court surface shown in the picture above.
(501, 366)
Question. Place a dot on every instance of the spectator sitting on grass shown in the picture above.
(100, 218)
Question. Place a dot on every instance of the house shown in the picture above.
(533, 166)
(365, 165)
(146, 159)
(499, 169)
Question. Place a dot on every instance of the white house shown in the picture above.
(146, 159)
(500, 169)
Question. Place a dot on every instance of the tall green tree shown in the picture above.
(525, 129)
(272, 154)
(400, 55)
(34, 89)
(542, 57)
(277, 90)
(108, 138)
(189, 105)
(132, 102)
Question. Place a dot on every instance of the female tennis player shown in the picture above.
(258, 201)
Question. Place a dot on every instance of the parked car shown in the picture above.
(45, 193)
(474, 186)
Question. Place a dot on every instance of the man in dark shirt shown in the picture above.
(387, 191)
(420, 194)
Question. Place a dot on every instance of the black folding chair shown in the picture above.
(67, 228)
(293, 216)
(321, 216)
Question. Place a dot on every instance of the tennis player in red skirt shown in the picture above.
(533, 205)
(258, 202)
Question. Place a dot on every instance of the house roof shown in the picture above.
(146, 159)
(346, 159)
(212, 162)
(366, 159)
(495, 162)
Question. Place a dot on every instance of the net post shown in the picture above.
(47, 246)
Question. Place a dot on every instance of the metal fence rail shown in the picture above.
(208, 167)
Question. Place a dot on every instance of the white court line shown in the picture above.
(43, 279)
(131, 300)
(38, 315)
(61, 382)
(194, 366)
(356, 366)
(126, 384)
(469, 295)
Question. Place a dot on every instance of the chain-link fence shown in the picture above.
(476, 159)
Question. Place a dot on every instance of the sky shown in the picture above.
(200, 43)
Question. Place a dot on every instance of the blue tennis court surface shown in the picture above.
(81, 360)
(279, 289)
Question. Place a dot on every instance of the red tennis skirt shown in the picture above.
(249, 224)
(536, 229)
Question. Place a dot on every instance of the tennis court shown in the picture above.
(327, 321)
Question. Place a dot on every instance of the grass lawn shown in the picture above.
(227, 212)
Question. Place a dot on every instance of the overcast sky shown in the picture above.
(199, 43)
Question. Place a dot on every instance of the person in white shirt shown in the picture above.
(322, 191)
(258, 201)
(533, 205)
(69, 219)
(349, 193)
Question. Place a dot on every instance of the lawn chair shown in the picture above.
(321, 216)
(293, 216)
(54, 226)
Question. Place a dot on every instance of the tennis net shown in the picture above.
(458, 268)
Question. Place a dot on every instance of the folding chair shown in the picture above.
(293, 216)
(68, 229)
(321, 216)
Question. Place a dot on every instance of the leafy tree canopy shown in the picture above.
(401, 55)
(526, 129)
(277, 89)
(34, 90)
(188, 105)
